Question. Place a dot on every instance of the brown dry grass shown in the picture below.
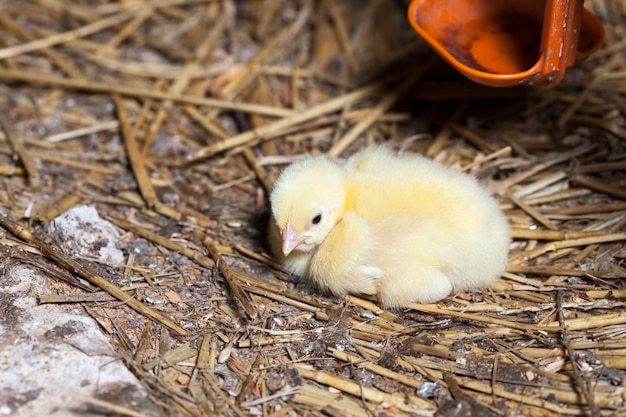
(172, 117)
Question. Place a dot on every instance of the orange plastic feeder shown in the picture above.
(502, 43)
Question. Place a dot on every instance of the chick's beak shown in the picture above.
(291, 239)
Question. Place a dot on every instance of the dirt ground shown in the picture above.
(139, 141)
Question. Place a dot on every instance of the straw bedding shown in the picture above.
(173, 117)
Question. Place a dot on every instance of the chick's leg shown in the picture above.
(412, 254)
(426, 285)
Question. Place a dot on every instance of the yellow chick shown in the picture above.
(403, 228)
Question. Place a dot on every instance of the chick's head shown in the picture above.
(307, 201)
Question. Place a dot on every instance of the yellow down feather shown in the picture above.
(402, 228)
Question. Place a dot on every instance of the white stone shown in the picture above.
(48, 356)
(83, 232)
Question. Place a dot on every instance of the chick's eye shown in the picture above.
(317, 219)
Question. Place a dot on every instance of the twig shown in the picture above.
(587, 209)
(342, 35)
(259, 170)
(368, 305)
(134, 155)
(532, 212)
(553, 246)
(69, 36)
(276, 128)
(50, 157)
(538, 234)
(261, 258)
(538, 185)
(578, 376)
(18, 148)
(590, 86)
(111, 124)
(504, 152)
(431, 308)
(600, 186)
(172, 357)
(79, 298)
(126, 90)
(411, 404)
(114, 408)
(380, 370)
(63, 63)
(283, 393)
(445, 132)
(485, 388)
(276, 46)
(474, 138)
(230, 278)
(503, 186)
(470, 404)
